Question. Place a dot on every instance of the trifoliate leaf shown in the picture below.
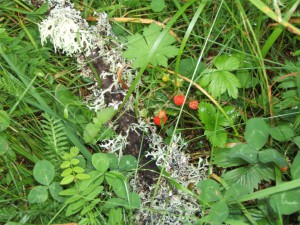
(139, 47)
(221, 79)
(250, 175)
(218, 82)
(226, 62)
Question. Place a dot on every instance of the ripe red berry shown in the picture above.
(157, 121)
(193, 104)
(179, 100)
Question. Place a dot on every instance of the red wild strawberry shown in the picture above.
(193, 104)
(179, 100)
(157, 121)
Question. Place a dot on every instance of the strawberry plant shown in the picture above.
(215, 122)
(220, 80)
(139, 47)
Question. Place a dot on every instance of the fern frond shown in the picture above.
(55, 138)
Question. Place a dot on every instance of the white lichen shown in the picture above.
(68, 32)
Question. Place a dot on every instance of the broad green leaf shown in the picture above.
(74, 151)
(209, 190)
(140, 46)
(134, 201)
(82, 176)
(219, 82)
(74, 161)
(119, 187)
(65, 164)
(226, 62)
(231, 112)
(246, 80)
(216, 138)
(66, 156)
(272, 155)
(4, 145)
(286, 202)
(74, 198)
(101, 162)
(250, 175)
(75, 207)
(69, 192)
(43, 172)
(114, 202)
(89, 207)
(157, 5)
(245, 152)
(90, 133)
(67, 179)
(235, 191)
(66, 172)
(38, 194)
(118, 183)
(104, 116)
(113, 161)
(282, 133)
(218, 213)
(208, 115)
(222, 158)
(96, 178)
(4, 120)
(187, 67)
(95, 193)
(55, 189)
(296, 140)
(115, 216)
(295, 167)
(84, 221)
(127, 162)
(257, 133)
(78, 169)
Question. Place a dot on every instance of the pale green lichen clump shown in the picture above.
(68, 32)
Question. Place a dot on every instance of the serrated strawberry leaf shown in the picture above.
(139, 46)
(219, 80)
(225, 62)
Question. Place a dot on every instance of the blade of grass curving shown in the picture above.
(186, 37)
(271, 190)
(28, 34)
(278, 30)
(270, 13)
